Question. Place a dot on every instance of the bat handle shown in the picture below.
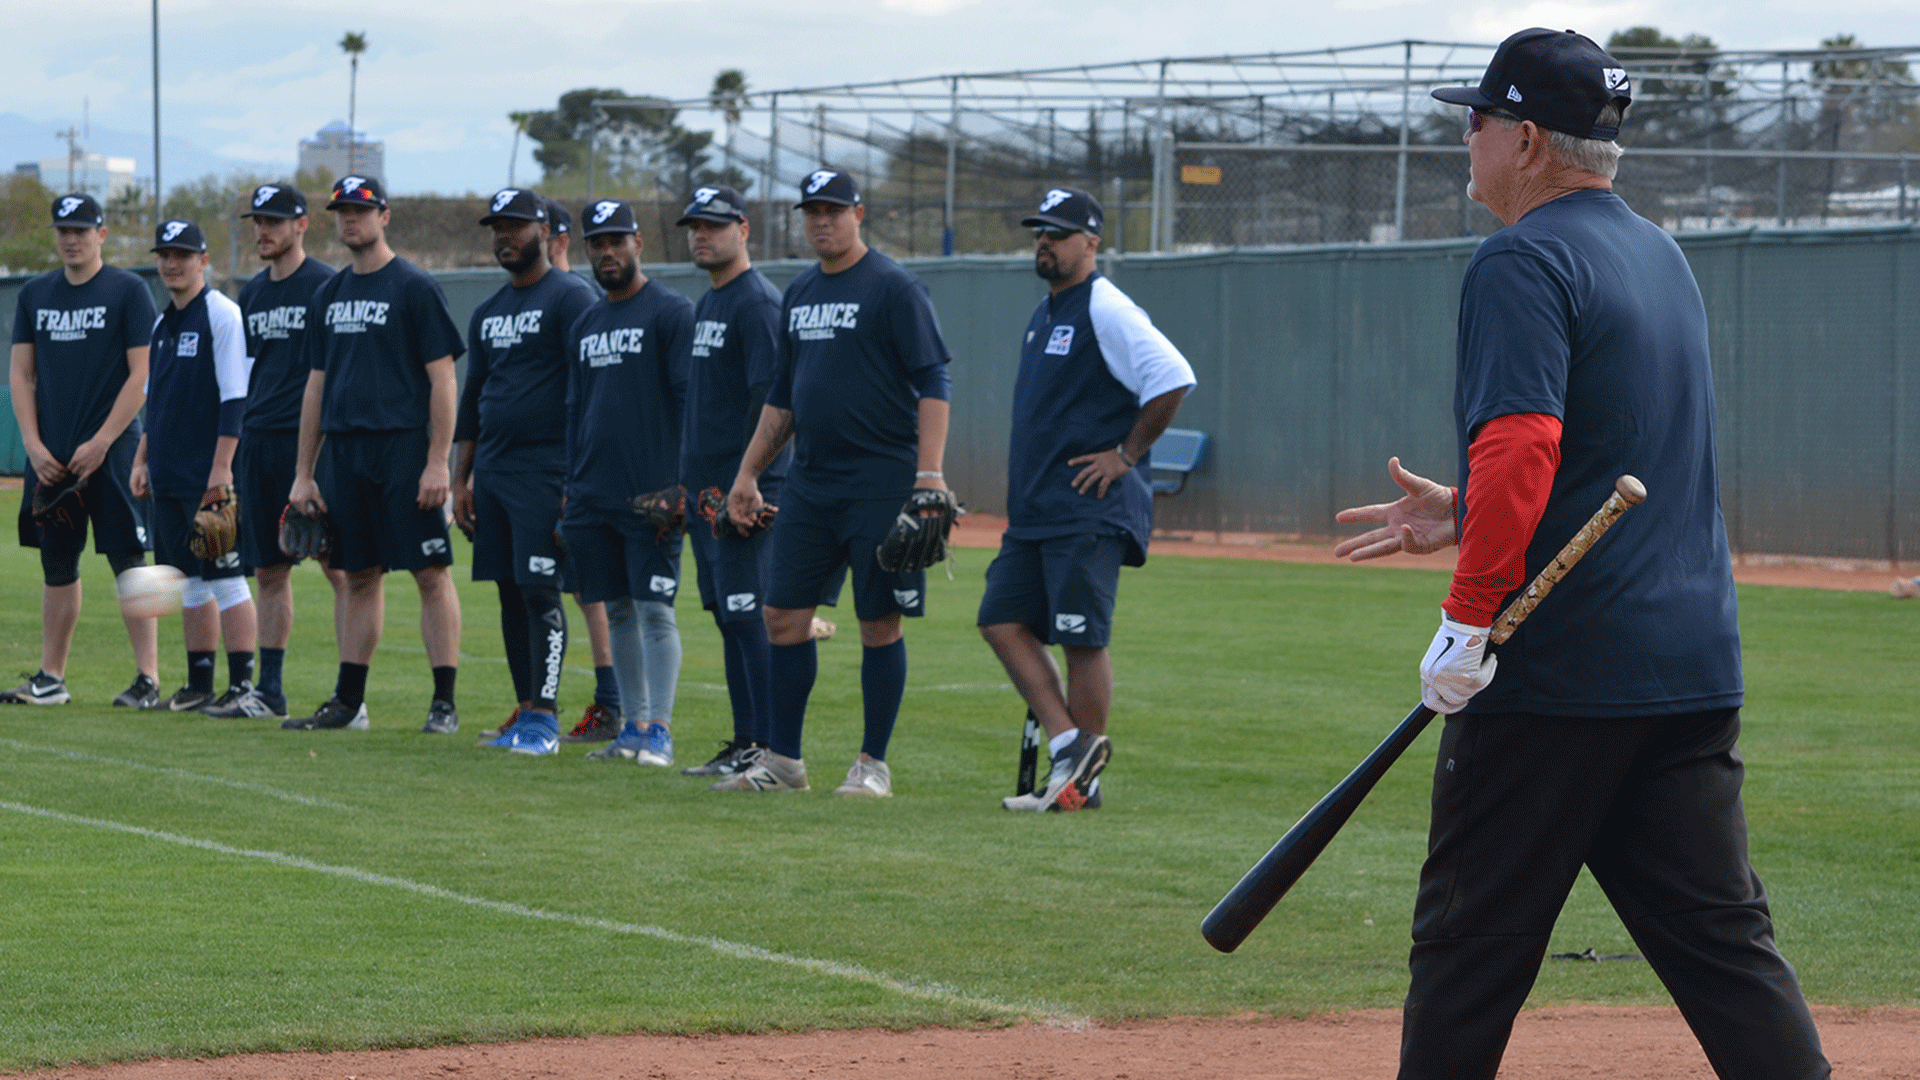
(1628, 492)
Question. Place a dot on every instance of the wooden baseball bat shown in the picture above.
(1237, 913)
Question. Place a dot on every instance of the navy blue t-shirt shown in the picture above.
(276, 314)
(80, 337)
(196, 390)
(516, 392)
(626, 398)
(851, 346)
(735, 349)
(374, 335)
(1587, 312)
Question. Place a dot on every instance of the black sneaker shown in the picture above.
(734, 756)
(1070, 783)
(39, 689)
(331, 716)
(143, 694)
(244, 702)
(599, 723)
(185, 699)
(441, 719)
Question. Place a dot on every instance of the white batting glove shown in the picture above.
(1456, 666)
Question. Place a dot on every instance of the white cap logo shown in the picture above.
(1054, 198)
(705, 195)
(819, 180)
(351, 184)
(501, 200)
(173, 229)
(603, 210)
(1513, 93)
(1616, 78)
(68, 205)
(264, 192)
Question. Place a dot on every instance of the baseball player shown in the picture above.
(624, 406)
(734, 353)
(1606, 733)
(78, 375)
(1097, 385)
(862, 391)
(512, 457)
(376, 424)
(274, 304)
(196, 393)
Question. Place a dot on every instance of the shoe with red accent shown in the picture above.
(1070, 784)
(488, 738)
(600, 723)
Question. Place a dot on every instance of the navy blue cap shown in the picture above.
(714, 203)
(1557, 79)
(277, 201)
(607, 216)
(559, 222)
(1067, 208)
(357, 191)
(78, 211)
(828, 186)
(517, 204)
(179, 234)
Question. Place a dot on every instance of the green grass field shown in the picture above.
(184, 886)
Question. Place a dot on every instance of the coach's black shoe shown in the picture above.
(1070, 783)
(441, 719)
(185, 699)
(734, 756)
(39, 689)
(143, 694)
(600, 723)
(331, 716)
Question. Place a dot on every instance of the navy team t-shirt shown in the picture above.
(80, 336)
(374, 335)
(1587, 312)
(735, 349)
(851, 344)
(276, 322)
(625, 398)
(516, 393)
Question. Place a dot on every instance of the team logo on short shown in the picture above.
(189, 344)
(1060, 342)
(1054, 198)
(171, 230)
(740, 601)
(229, 561)
(665, 586)
(603, 210)
(819, 180)
(141, 532)
(705, 195)
(70, 204)
(501, 200)
(264, 192)
(907, 598)
(540, 564)
(1616, 79)
(436, 546)
(1069, 624)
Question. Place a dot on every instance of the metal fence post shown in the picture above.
(1406, 119)
(1780, 181)
(773, 170)
(953, 146)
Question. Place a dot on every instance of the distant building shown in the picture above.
(334, 152)
(100, 176)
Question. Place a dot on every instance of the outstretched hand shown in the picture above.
(1417, 523)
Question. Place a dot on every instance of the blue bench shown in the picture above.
(1180, 451)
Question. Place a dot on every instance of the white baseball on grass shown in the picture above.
(148, 592)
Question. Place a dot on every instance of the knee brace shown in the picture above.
(123, 563)
(59, 568)
(195, 593)
(230, 591)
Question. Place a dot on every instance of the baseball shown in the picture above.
(148, 592)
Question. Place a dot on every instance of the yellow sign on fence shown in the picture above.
(1199, 174)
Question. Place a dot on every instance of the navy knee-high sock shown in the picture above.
(739, 695)
(513, 637)
(883, 682)
(755, 658)
(793, 668)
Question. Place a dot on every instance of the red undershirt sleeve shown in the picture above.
(1511, 463)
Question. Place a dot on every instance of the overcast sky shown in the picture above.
(245, 82)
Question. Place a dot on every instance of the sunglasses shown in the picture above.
(1056, 235)
(1477, 118)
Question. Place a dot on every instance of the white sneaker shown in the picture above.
(772, 772)
(1904, 589)
(869, 778)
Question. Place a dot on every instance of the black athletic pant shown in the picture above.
(1652, 806)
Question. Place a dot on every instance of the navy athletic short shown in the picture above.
(371, 482)
(172, 518)
(514, 515)
(1062, 588)
(119, 523)
(614, 554)
(263, 469)
(812, 541)
(732, 573)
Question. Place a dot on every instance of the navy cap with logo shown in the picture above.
(607, 216)
(559, 221)
(828, 186)
(277, 201)
(716, 203)
(1557, 79)
(357, 191)
(179, 234)
(1067, 208)
(78, 211)
(515, 204)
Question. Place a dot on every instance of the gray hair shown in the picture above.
(1600, 157)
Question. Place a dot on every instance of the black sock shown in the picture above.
(351, 688)
(200, 670)
(239, 668)
(443, 683)
(270, 661)
(513, 635)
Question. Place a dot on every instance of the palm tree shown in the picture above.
(519, 125)
(353, 45)
(728, 97)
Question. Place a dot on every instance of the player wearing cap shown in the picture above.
(376, 425)
(196, 394)
(274, 305)
(1606, 735)
(862, 391)
(512, 459)
(734, 354)
(79, 369)
(624, 406)
(1097, 385)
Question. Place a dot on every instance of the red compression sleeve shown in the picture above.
(1511, 462)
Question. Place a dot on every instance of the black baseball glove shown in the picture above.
(304, 535)
(665, 510)
(216, 526)
(61, 505)
(713, 509)
(915, 542)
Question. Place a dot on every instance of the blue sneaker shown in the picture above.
(501, 738)
(657, 746)
(536, 732)
(625, 746)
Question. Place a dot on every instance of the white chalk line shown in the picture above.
(181, 774)
(913, 988)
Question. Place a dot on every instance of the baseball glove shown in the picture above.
(713, 508)
(216, 526)
(61, 505)
(665, 510)
(304, 535)
(915, 543)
